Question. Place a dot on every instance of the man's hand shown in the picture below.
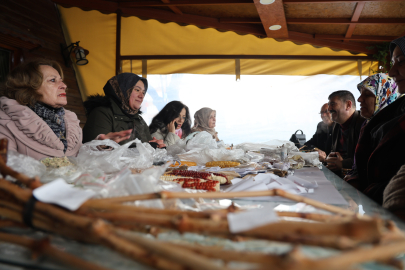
(322, 155)
(334, 161)
(116, 136)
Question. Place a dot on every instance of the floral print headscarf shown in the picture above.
(383, 87)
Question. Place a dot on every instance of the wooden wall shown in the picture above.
(34, 27)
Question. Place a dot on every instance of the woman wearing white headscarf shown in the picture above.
(204, 120)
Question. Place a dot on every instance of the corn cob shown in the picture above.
(169, 177)
(203, 175)
(222, 164)
(194, 183)
(187, 163)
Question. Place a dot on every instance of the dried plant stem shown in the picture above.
(9, 223)
(186, 257)
(117, 208)
(31, 183)
(43, 246)
(347, 259)
(222, 195)
(131, 250)
(229, 255)
(316, 217)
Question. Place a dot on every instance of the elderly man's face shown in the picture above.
(325, 115)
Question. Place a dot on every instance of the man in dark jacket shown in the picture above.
(345, 134)
(323, 135)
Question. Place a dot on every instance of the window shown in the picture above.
(257, 108)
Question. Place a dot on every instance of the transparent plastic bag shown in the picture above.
(90, 157)
(202, 156)
(142, 157)
(68, 173)
(273, 144)
(146, 182)
(202, 140)
(311, 158)
(254, 157)
(25, 164)
(197, 155)
(177, 148)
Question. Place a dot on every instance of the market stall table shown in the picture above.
(14, 257)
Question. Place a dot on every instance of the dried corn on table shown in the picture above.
(13, 257)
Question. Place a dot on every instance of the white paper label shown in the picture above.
(62, 194)
(243, 221)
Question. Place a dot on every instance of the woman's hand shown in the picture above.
(171, 127)
(160, 143)
(116, 136)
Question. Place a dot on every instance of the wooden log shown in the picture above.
(44, 247)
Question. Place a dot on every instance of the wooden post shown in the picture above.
(118, 43)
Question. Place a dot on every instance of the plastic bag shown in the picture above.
(273, 144)
(202, 156)
(177, 148)
(197, 155)
(311, 158)
(90, 157)
(146, 182)
(68, 173)
(143, 156)
(25, 164)
(202, 140)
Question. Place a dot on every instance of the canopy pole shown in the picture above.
(237, 69)
(144, 68)
(118, 43)
(360, 68)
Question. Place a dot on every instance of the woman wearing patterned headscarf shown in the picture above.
(376, 92)
(205, 120)
(118, 110)
(379, 152)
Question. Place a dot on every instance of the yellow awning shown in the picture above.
(97, 33)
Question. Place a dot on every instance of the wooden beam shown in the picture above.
(214, 23)
(239, 20)
(118, 44)
(100, 5)
(334, 1)
(183, 3)
(310, 39)
(345, 21)
(360, 38)
(173, 8)
(259, 57)
(355, 18)
(273, 15)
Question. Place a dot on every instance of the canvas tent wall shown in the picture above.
(143, 38)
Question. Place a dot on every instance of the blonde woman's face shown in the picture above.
(53, 89)
(212, 120)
